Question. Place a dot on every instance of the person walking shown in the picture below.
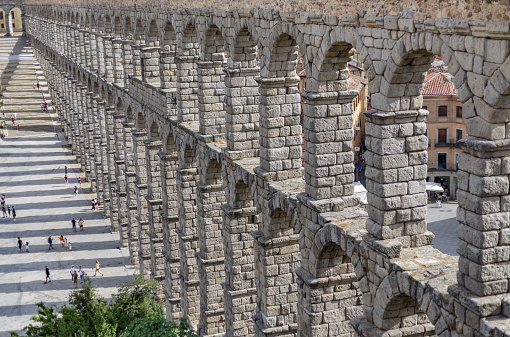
(75, 190)
(75, 279)
(62, 240)
(66, 246)
(26, 247)
(20, 244)
(38, 86)
(93, 205)
(79, 182)
(4, 210)
(48, 277)
(33, 85)
(70, 247)
(12, 119)
(13, 214)
(42, 106)
(65, 178)
(80, 223)
(9, 210)
(74, 224)
(97, 267)
(82, 274)
(71, 271)
(50, 241)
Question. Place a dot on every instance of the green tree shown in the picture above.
(133, 311)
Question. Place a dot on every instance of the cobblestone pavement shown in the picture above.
(443, 223)
(32, 161)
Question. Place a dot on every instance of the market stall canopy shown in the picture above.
(432, 187)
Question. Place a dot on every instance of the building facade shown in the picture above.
(16, 23)
(445, 127)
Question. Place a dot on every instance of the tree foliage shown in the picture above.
(133, 311)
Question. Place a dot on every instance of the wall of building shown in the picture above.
(15, 21)
(451, 148)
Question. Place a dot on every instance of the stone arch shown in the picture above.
(283, 57)
(330, 272)
(327, 257)
(187, 75)
(108, 27)
(242, 196)
(397, 308)
(141, 124)
(127, 31)
(189, 43)
(154, 132)
(153, 35)
(245, 49)
(188, 155)
(213, 173)
(130, 118)
(138, 32)
(213, 48)
(117, 26)
(329, 73)
(169, 40)
(277, 245)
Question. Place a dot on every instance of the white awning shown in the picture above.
(434, 187)
(361, 192)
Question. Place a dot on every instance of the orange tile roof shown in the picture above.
(437, 83)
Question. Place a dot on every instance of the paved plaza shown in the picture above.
(443, 223)
(32, 161)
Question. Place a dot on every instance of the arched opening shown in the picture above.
(128, 30)
(242, 113)
(187, 76)
(403, 313)
(167, 64)
(153, 35)
(140, 123)
(117, 27)
(154, 132)
(328, 89)
(277, 292)
(139, 40)
(169, 38)
(213, 175)
(108, 29)
(170, 164)
(187, 176)
(211, 85)
(329, 272)
(243, 197)
(239, 222)
(281, 143)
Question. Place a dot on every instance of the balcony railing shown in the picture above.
(450, 143)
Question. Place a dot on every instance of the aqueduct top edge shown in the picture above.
(415, 9)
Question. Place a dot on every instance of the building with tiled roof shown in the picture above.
(445, 126)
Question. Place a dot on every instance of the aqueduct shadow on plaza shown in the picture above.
(197, 158)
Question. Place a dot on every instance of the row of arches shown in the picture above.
(396, 82)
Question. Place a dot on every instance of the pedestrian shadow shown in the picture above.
(62, 284)
(40, 162)
(106, 262)
(77, 246)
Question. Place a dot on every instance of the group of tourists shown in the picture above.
(7, 210)
(75, 273)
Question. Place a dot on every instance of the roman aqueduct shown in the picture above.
(188, 125)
